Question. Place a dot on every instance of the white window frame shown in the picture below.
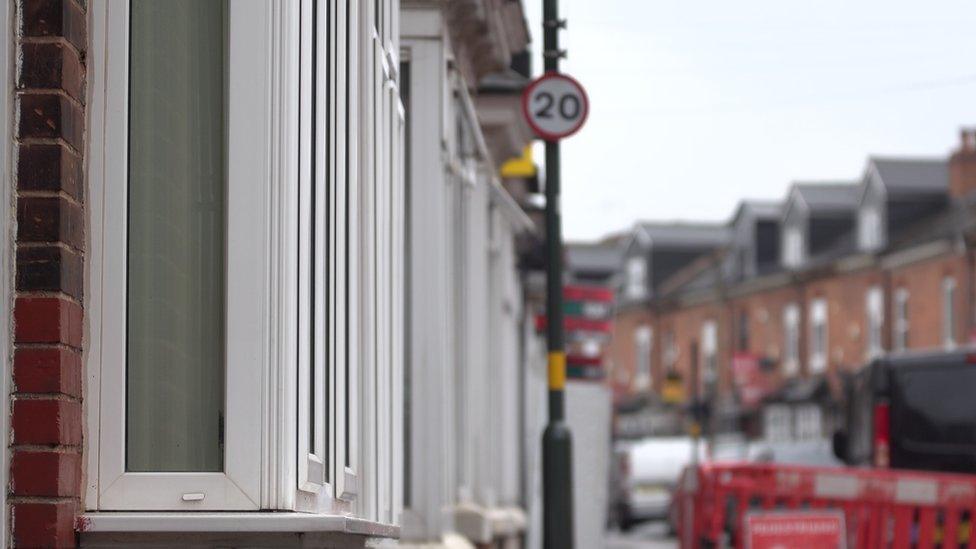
(670, 351)
(777, 422)
(709, 351)
(239, 486)
(808, 422)
(818, 320)
(636, 278)
(643, 344)
(267, 466)
(949, 312)
(791, 339)
(793, 247)
(869, 228)
(874, 325)
(901, 324)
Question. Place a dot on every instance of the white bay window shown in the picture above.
(244, 308)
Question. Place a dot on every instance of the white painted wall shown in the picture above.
(429, 330)
(588, 415)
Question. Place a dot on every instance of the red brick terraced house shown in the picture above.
(809, 289)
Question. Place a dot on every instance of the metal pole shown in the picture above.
(557, 474)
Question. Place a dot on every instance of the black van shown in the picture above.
(912, 411)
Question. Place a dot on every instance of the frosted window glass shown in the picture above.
(176, 280)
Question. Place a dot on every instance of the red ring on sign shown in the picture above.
(539, 132)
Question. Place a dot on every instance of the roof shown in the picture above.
(953, 221)
(760, 209)
(705, 273)
(679, 233)
(912, 176)
(829, 196)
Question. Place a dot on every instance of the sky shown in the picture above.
(695, 106)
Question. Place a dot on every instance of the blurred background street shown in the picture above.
(651, 535)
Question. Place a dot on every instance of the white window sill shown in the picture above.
(482, 525)
(206, 522)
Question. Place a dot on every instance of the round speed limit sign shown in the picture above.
(555, 106)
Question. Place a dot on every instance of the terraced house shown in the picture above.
(807, 291)
(253, 253)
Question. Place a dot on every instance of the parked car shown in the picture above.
(648, 473)
(912, 411)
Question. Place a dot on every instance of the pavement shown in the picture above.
(648, 535)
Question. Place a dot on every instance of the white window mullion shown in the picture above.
(949, 312)
(347, 134)
(397, 293)
(310, 463)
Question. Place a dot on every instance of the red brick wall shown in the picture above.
(764, 312)
(46, 444)
(621, 351)
(687, 323)
(923, 280)
(846, 297)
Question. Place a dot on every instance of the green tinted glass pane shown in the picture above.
(176, 281)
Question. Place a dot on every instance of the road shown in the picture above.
(652, 535)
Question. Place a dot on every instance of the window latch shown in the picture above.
(194, 496)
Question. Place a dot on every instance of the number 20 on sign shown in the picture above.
(555, 106)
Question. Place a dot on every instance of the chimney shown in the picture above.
(962, 165)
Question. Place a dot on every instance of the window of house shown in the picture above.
(777, 422)
(636, 279)
(228, 329)
(670, 352)
(793, 247)
(808, 422)
(709, 351)
(869, 228)
(874, 314)
(791, 339)
(949, 312)
(901, 323)
(643, 339)
(818, 336)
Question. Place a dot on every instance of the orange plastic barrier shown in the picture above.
(881, 508)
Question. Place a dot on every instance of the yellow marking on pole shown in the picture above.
(557, 370)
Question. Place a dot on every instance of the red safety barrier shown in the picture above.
(879, 507)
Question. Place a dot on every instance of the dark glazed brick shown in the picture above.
(50, 167)
(50, 18)
(49, 65)
(49, 220)
(51, 115)
(50, 269)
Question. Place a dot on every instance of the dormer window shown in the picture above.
(869, 229)
(636, 283)
(793, 247)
